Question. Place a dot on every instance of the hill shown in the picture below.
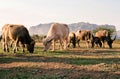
(42, 29)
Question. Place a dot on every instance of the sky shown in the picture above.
(34, 12)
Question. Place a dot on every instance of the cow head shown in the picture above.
(47, 42)
(110, 41)
(30, 47)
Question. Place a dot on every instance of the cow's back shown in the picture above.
(83, 34)
(59, 30)
(17, 31)
(101, 33)
(71, 34)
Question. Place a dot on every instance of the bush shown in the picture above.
(38, 38)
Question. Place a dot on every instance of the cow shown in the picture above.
(17, 33)
(85, 35)
(56, 32)
(72, 39)
(104, 35)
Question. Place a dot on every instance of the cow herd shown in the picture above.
(19, 36)
(91, 40)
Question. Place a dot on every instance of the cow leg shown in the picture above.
(65, 44)
(53, 45)
(61, 44)
(4, 46)
(69, 43)
(87, 44)
(92, 43)
(6, 49)
(23, 46)
(11, 42)
(16, 44)
(14, 49)
(100, 44)
(78, 42)
(103, 42)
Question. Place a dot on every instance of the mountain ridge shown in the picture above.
(42, 29)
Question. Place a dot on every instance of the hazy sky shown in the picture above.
(33, 12)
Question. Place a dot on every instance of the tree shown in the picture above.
(111, 31)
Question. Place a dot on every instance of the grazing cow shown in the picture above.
(104, 35)
(72, 39)
(17, 33)
(56, 32)
(84, 35)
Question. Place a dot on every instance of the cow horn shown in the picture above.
(114, 38)
(45, 41)
(49, 40)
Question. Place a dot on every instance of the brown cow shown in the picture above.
(16, 33)
(72, 39)
(84, 35)
(56, 32)
(104, 35)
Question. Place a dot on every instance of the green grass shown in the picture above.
(23, 73)
(62, 57)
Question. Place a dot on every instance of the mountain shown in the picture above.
(42, 29)
(118, 34)
(88, 26)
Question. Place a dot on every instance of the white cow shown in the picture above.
(56, 32)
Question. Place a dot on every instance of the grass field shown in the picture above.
(77, 63)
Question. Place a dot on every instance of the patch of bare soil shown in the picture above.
(101, 71)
